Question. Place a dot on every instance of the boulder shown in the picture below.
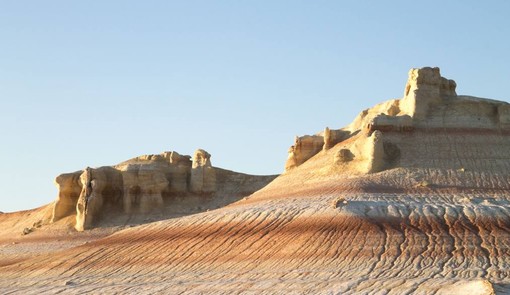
(343, 156)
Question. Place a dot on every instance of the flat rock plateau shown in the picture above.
(413, 197)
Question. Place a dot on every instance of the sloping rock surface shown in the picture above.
(412, 198)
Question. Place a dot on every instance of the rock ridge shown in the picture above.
(382, 137)
(143, 184)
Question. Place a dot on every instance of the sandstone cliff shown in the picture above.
(149, 183)
(425, 128)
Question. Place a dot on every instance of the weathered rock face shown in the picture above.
(143, 187)
(307, 146)
(303, 149)
(142, 184)
(425, 88)
(101, 187)
(203, 176)
(386, 135)
(69, 189)
(375, 152)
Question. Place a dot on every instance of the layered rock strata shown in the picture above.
(412, 198)
(430, 111)
(141, 185)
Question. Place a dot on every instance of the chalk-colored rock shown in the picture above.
(430, 105)
(303, 149)
(143, 186)
(472, 287)
(343, 156)
(425, 87)
(69, 190)
(375, 152)
(203, 176)
(100, 187)
(140, 186)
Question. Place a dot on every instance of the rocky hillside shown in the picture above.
(411, 198)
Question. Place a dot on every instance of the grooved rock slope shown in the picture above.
(412, 198)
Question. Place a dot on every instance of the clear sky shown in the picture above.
(93, 83)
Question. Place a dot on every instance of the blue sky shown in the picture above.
(93, 83)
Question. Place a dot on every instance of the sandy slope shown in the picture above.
(292, 237)
(435, 221)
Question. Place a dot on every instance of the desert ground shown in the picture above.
(327, 236)
(412, 198)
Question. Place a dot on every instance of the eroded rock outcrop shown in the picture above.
(425, 88)
(303, 149)
(203, 176)
(69, 189)
(143, 184)
(307, 146)
(101, 187)
(383, 137)
(343, 221)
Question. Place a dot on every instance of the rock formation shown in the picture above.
(413, 197)
(141, 185)
(203, 176)
(303, 149)
(386, 135)
(307, 146)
